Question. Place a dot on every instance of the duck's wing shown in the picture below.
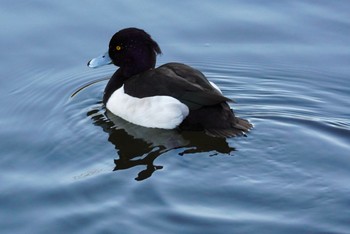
(180, 81)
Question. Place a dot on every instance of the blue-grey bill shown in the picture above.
(100, 61)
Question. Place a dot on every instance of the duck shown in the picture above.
(171, 96)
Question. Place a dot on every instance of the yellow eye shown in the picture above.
(118, 48)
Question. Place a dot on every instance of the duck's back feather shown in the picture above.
(180, 81)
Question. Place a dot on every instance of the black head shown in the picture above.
(133, 50)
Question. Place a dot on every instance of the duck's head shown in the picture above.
(131, 49)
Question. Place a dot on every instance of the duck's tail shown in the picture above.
(239, 128)
(217, 121)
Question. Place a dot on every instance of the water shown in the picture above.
(69, 167)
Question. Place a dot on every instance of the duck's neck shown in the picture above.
(138, 61)
(114, 83)
(135, 63)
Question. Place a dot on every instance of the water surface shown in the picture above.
(68, 166)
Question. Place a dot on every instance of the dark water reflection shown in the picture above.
(137, 145)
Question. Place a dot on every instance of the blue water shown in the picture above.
(67, 166)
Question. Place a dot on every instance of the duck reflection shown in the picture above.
(137, 145)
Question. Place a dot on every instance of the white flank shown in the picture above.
(152, 112)
(215, 86)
